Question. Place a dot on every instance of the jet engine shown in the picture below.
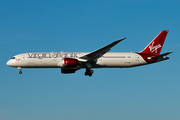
(69, 62)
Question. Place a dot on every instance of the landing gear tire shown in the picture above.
(89, 72)
(85, 73)
(19, 68)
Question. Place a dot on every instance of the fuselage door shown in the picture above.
(23, 58)
(54, 56)
(137, 57)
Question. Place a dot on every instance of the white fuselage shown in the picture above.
(54, 60)
(70, 62)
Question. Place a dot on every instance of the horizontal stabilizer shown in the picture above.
(162, 56)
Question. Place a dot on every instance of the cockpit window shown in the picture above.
(13, 58)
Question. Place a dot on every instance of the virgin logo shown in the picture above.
(154, 48)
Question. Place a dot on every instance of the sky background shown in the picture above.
(149, 92)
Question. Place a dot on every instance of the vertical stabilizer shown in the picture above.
(156, 45)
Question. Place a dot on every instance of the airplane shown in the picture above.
(70, 62)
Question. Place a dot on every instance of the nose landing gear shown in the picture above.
(19, 68)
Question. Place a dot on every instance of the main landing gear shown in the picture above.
(88, 69)
(89, 72)
(19, 68)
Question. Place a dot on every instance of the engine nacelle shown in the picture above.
(69, 62)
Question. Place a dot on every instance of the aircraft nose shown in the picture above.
(8, 63)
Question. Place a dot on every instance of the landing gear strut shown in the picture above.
(19, 68)
(88, 69)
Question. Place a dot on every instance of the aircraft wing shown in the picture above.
(100, 52)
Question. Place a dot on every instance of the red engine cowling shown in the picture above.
(70, 62)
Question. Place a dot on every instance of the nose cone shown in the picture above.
(10, 63)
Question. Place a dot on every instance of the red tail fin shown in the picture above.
(156, 45)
